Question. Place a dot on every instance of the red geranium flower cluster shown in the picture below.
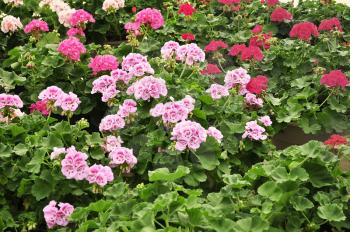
(229, 2)
(247, 53)
(186, 9)
(257, 84)
(211, 69)
(215, 45)
(188, 36)
(304, 31)
(335, 79)
(330, 24)
(280, 15)
(270, 3)
(257, 29)
(40, 106)
(261, 41)
(336, 140)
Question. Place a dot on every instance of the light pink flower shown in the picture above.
(111, 123)
(122, 155)
(136, 65)
(8, 100)
(57, 216)
(103, 63)
(74, 165)
(149, 16)
(148, 87)
(51, 93)
(169, 49)
(99, 174)
(188, 134)
(81, 17)
(157, 110)
(188, 102)
(36, 25)
(254, 132)
(10, 24)
(106, 85)
(121, 75)
(237, 77)
(72, 32)
(218, 91)
(127, 108)
(215, 133)
(68, 102)
(57, 151)
(252, 100)
(72, 48)
(110, 5)
(265, 120)
(190, 54)
(111, 142)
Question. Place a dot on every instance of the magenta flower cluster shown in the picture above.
(57, 216)
(103, 63)
(148, 16)
(36, 25)
(71, 48)
(81, 17)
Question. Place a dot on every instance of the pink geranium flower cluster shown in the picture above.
(218, 91)
(334, 79)
(111, 123)
(148, 87)
(10, 24)
(281, 15)
(112, 5)
(111, 142)
(330, 24)
(80, 17)
(237, 78)
(73, 32)
(106, 85)
(36, 25)
(188, 134)
(103, 63)
(254, 131)
(304, 31)
(122, 156)
(253, 101)
(215, 45)
(136, 65)
(40, 106)
(148, 16)
(190, 54)
(71, 48)
(169, 49)
(265, 120)
(215, 133)
(8, 100)
(174, 111)
(62, 9)
(121, 75)
(57, 151)
(127, 108)
(99, 174)
(54, 95)
(57, 216)
(74, 165)
(211, 69)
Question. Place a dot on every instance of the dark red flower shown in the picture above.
(188, 36)
(280, 15)
(261, 41)
(186, 9)
(211, 69)
(257, 29)
(215, 45)
(270, 2)
(304, 31)
(229, 2)
(330, 24)
(258, 84)
(40, 106)
(247, 53)
(133, 9)
(236, 49)
(334, 79)
(336, 140)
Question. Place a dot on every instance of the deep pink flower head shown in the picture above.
(57, 216)
(121, 75)
(101, 63)
(280, 15)
(237, 77)
(40, 106)
(51, 93)
(106, 85)
(99, 174)
(247, 53)
(257, 29)
(304, 31)
(336, 140)
(168, 50)
(74, 165)
(215, 133)
(148, 87)
(133, 27)
(254, 132)
(127, 108)
(334, 79)
(215, 45)
(190, 54)
(253, 101)
(229, 2)
(136, 65)
(8, 100)
(186, 9)
(217, 91)
(257, 84)
(188, 134)
(81, 17)
(68, 102)
(36, 25)
(111, 142)
(72, 32)
(265, 120)
(330, 24)
(72, 48)
(150, 16)
(111, 123)
(211, 69)
(188, 36)
(120, 156)
(270, 3)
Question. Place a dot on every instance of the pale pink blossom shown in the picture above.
(122, 155)
(51, 93)
(190, 54)
(68, 102)
(113, 5)
(169, 49)
(253, 100)
(10, 24)
(265, 120)
(237, 77)
(215, 133)
(188, 102)
(56, 152)
(8, 100)
(121, 75)
(111, 142)
(217, 91)
(148, 87)
(157, 110)
(57, 216)
(254, 132)
(127, 108)
(74, 165)
(99, 174)
(111, 123)
(136, 65)
(188, 134)
(106, 85)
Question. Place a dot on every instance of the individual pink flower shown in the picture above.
(257, 29)
(127, 108)
(121, 75)
(81, 17)
(215, 133)
(157, 110)
(120, 156)
(188, 134)
(171, 112)
(218, 91)
(8, 100)
(74, 165)
(40, 106)
(265, 120)
(151, 17)
(211, 69)
(169, 49)
(236, 77)
(68, 102)
(334, 79)
(56, 152)
(36, 25)
(103, 63)
(72, 48)
(188, 102)
(148, 87)
(64, 213)
(50, 214)
(133, 28)
(111, 142)
(72, 32)
(190, 54)
(51, 93)
(304, 31)
(215, 45)
(99, 174)
(113, 5)
(280, 15)
(10, 24)
(136, 65)
(111, 123)
(106, 85)
(254, 132)
(253, 100)
(330, 24)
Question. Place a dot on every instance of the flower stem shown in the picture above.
(330, 94)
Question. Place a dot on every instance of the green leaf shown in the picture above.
(163, 174)
(20, 149)
(301, 203)
(251, 224)
(319, 175)
(5, 151)
(34, 165)
(270, 190)
(331, 212)
(52, 141)
(9, 80)
(41, 189)
(199, 114)
(207, 154)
